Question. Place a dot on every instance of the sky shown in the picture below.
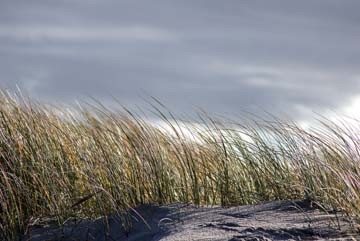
(289, 58)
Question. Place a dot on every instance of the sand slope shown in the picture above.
(279, 220)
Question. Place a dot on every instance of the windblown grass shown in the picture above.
(98, 162)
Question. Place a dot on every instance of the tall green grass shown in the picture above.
(97, 161)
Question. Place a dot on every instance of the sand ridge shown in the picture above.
(277, 220)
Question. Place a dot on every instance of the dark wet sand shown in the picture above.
(279, 220)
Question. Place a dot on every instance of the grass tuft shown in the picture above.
(96, 162)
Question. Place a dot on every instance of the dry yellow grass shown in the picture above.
(97, 162)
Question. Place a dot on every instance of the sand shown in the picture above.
(279, 220)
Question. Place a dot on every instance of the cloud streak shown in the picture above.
(95, 34)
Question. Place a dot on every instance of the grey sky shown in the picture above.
(292, 57)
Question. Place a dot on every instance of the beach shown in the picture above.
(277, 220)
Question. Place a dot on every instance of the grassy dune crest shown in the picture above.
(97, 162)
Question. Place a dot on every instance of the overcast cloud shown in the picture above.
(288, 57)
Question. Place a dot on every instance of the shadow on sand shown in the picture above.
(278, 220)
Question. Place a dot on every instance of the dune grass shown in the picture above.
(97, 162)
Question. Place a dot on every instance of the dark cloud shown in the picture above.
(279, 56)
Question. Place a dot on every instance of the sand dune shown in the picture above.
(279, 220)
